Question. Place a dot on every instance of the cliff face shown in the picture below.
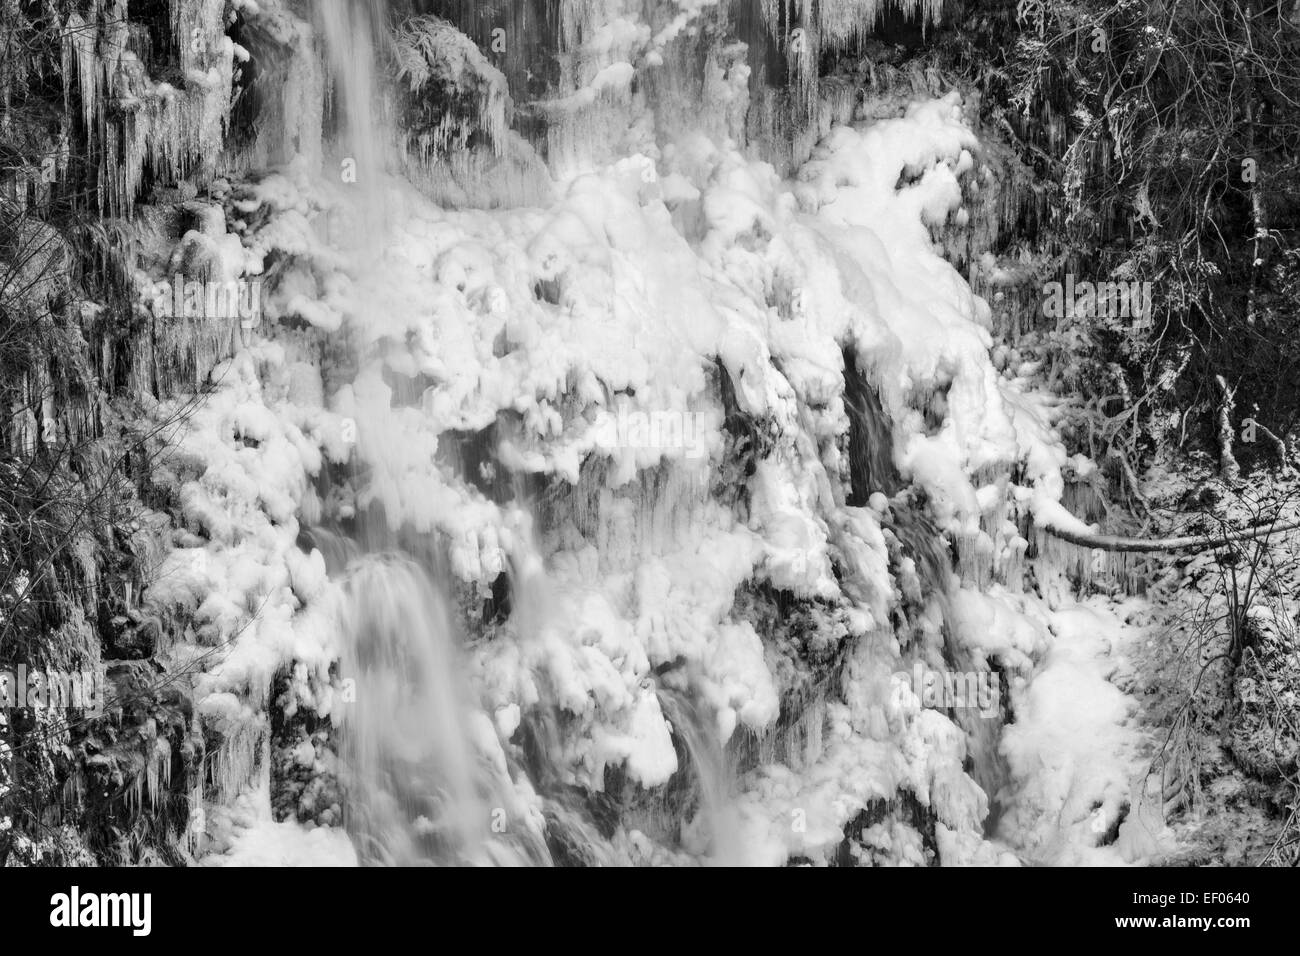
(533, 432)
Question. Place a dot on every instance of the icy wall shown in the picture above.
(612, 448)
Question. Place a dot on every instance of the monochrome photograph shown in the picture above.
(649, 433)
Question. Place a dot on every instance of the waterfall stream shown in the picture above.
(351, 30)
(418, 789)
(415, 795)
(713, 824)
(620, 518)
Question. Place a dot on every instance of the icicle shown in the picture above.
(1011, 563)
(975, 558)
(152, 125)
(797, 743)
(158, 772)
(842, 21)
(79, 59)
(1084, 499)
(1093, 567)
(237, 759)
(196, 828)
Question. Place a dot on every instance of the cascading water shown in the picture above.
(416, 790)
(874, 472)
(414, 794)
(753, 415)
(979, 719)
(714, 827)
(351, 30)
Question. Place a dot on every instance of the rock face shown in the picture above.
(605, 446)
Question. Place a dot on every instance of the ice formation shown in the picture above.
(624, 400)
(143, 124)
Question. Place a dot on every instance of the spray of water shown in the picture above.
(351, 30)
(412, 772)
(418, 791)
(715, 825)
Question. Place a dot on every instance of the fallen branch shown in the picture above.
(1108, 542)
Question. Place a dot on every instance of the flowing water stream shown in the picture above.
(420, 790)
